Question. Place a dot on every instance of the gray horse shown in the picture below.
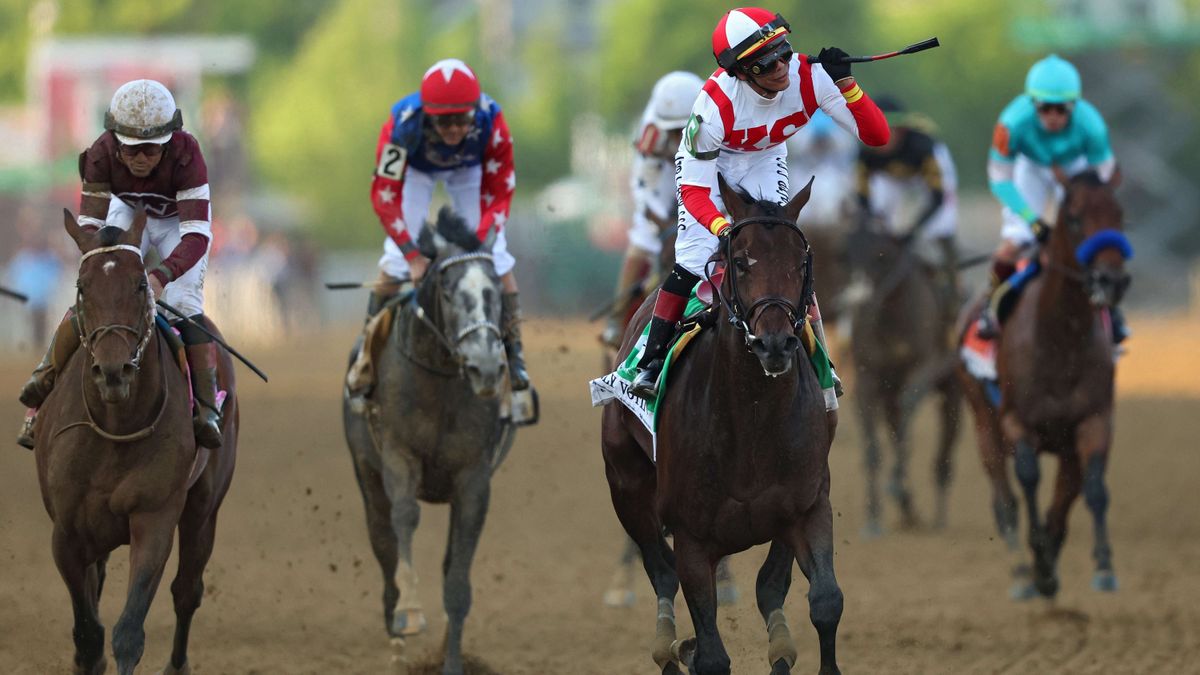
(435, 427)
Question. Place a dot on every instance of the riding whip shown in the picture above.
(14, 295)
(216, 339)
(911, 49)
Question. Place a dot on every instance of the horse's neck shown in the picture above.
(1064, 313)
(734, 368)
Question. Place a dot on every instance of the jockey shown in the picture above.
(825, 152)
(652, 184)
(914, 166)
(761, 94)
(1043, 138)
(144, 158)
(448, 132)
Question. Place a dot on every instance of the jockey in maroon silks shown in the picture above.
(145, 159)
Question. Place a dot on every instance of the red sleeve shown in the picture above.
(387, 190)
(699, 203)
(187, 253)
(872, 125)
(95, 168)
(499, 179)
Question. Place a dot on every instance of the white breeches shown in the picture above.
(162, 236)
(462, 186)
(1041, 191)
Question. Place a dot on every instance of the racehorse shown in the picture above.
(901, 347)
(117, 460)
(434, 428)
(1055, 370)
(742, 453)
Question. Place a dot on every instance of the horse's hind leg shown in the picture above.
(400, 480)
(898, 415)
(197, 532)
(379, 521)
(812, 540)
(1093, 441)
(774, 580)
(1004, 501)
(468, 509)
(83, 585)
(150, 540)
(871, 460)
(697, 574)
(943, 466)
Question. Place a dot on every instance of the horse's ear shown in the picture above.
(82, 238)
(792, 210)
(734, 201)
(133, 236)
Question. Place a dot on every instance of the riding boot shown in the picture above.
(510, 322)
(949, 277)
(360, 377)
(206, 420)
(818, 326)
(988, 326)
(668, 310)
(63, 343)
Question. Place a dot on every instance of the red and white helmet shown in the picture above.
(745, 32)
(449, 87)
(143, 111)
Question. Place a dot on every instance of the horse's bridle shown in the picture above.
(797, 315)
(1093, 280)
(90, 338)
(435, 278)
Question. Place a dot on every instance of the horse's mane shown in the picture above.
(1089, 178)
(761, 207)
(110, 235)
(453, 228)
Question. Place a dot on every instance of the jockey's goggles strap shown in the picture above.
(728, 58)
(111, 249)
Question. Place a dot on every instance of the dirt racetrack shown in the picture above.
(293, 588)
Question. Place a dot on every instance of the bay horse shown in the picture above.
(434, 429)
(116, 457)
(902, 349)
(1055, 367)
(742, 452)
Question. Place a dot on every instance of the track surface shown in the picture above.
(293, 587)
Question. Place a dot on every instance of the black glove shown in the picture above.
(1041, 230)
(829, 58)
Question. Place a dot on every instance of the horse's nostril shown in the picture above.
(96, 373)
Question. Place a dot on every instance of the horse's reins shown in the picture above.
(451, 346)
(798, 316)
(89, 340)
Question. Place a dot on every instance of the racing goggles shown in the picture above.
(455, 120)
(1053, 108)
(148, 150)
(765, 64)
(728, 58)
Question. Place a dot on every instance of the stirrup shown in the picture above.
(645, 384)
(25, 438)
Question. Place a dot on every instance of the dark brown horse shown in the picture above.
(1055, 371)
(117, 461)
(742, 457)
(901, 346)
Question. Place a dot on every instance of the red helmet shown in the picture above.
(745, 32)
(449, 87)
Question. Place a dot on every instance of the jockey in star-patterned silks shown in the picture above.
(761, 95)
(145, 159)
(1043, 137)
(449, 132)
(652, 186)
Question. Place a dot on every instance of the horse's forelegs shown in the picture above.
(697, 576)
(1029, 474)
(812, 539)
(1093, 440)
(872, 460)
(898, 414)
(1066, 489)
(468, 509)
(150, 540)
(774, 580)
(197, 532)
(379, 528)
(83, 585)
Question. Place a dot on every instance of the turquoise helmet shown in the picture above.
(1053, 80)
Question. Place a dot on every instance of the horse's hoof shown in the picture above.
(408, 622)
(97, 668)
(1021, 591)
(186, 669)
(1105, 581)
(671, 669)
(619, 597)
(780, 667)
(1046, 585)
(727, 593)
(684, 651)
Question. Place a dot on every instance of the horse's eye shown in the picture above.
(142, 286)
(741, 264)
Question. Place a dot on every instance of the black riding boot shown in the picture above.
(63, 343)
(668, 310)
(510, 321)
(202, 362)
(988, 326)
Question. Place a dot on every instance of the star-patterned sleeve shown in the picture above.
(499, 179)
(387, 186)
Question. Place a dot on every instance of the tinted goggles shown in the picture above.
(149, 150)
(456, 120)
(766, 63)
(1053, 108)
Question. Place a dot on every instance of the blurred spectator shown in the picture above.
(35, 270)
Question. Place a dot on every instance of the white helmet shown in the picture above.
(672, 99)
(143, 111)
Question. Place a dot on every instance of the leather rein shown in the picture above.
(450, 345)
